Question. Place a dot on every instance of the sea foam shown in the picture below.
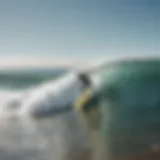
(40, 100)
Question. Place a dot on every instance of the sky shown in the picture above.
(56, 31)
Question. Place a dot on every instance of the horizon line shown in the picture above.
(25, 63)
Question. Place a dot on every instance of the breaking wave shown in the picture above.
(41, 100)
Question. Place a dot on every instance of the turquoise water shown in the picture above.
(131, 110)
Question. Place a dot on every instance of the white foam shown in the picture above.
(41, 99)
(9, 103)
(51, 95)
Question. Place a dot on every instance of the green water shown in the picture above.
(131, 106)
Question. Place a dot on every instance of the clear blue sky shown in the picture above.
(78, 29)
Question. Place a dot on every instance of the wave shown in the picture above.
(49, 97)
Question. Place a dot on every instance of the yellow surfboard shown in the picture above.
(83, 98)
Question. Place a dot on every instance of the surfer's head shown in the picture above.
(84, 78)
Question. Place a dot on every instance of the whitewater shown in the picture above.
(42, 100)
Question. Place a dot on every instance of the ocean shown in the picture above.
(60, 137)
(28, 77)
